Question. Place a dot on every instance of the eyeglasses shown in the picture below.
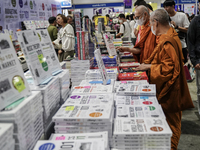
(137, 18)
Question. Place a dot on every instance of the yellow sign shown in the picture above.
(154, 5)
(96, 20)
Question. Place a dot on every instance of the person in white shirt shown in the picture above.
(125, 29)
(132, 25)
(180, 23)
(65, 38)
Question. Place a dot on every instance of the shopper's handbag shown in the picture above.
(58, 44)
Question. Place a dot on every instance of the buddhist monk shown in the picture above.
(146, 40)
(165, 67)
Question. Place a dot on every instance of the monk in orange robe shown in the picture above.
(165, 66)
(146, 40)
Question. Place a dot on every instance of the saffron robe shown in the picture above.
(146, 42)
(167, 73)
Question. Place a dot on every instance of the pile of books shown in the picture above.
(142, 90)
(94, 74)
(27, 118)
(78, 70)
(141, 133)
(64, 79)
(84, 118)
(6, 136)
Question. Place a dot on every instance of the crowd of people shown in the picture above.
(164, 40)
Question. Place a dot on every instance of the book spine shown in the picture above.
(78, 44)
(83, 44)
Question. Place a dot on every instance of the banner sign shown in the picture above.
(99, 5)
(128, 4)
(66, 4)
(185, 1)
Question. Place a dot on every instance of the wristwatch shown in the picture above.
(176, 27)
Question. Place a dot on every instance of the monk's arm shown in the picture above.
(127, 49)
(135, 50)
(163, 70)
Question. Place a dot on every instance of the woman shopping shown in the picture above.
(65, 41)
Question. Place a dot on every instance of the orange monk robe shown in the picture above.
(146, 42)
(171, 86)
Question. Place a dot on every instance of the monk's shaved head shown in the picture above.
(142, 9)
(161, 16)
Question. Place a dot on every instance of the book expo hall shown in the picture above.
(99, 75)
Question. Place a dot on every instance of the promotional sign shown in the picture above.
(66, 4)
(33, 8)
(100, 5)
(23, 10)
(48, 50)
(109, 44)
(10, 15)
(13, 84)
(101, 66)
(41, 10)
(77, 21)
(1, 15)
(128, 4)
(35, 57)
(103, 11)
(189, 8)
(13, 12)
(54, 10)
(185, 1)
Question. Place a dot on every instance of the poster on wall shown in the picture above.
(189, 8)
(77, 21)
(13, 84)
(33, 7)
(1, 16)
(103, 11)
(48, 50)
(11, 15)
(59, 10)
(48, 11)
(54, 10)
(97, 11)
(128, 4)
(41, 10)
(35, 57)
(23, 10)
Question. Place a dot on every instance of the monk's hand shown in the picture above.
(197, 66)
(143, 67)
(59, 52)
(122, 49)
